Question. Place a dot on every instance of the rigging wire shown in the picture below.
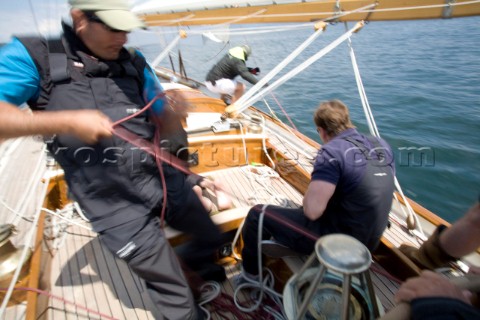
(412, 219)
(165, 52)
(175, 41)
(218, 53)
(244, 101)
(268, 29)
(283, 111)
(34, 16)
(242, 104)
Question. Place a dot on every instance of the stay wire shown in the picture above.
(411, 216)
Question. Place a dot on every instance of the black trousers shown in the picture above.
(142, 244)
(280, 232)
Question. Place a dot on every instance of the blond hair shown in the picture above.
(333, 117)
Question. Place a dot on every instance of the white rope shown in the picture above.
(244, 143)
(264, 142)
(264, 284)
(374, 129)
(175, 41)
(13, 211)
(402, 208)
(70, 221)
(165, 52)
(29, 192)
(285, 140)
(245, 104)
(255, 30)
(409, 209)
(363, 96)
(55, 230)
(255, 177)
(244, 98)
(26, 249)
(260, 177)
(274, 115)
(208, 292)
(29, 238)
(235, 240)
(277, 69)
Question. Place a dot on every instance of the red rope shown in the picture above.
(50, 295)
(284, 112)
(148, 105)
(292, 225)
(151, 148)
(224, 307)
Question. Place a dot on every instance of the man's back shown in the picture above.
(363, 171)
(227, 68)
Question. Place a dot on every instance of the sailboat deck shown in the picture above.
(22, 191)
(87, 281)
(90, 280)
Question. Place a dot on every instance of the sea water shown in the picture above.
(422, 81)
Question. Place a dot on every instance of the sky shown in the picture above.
(33, 17)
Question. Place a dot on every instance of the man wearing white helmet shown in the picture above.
(221, 78)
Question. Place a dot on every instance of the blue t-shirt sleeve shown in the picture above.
(18, 74)
(152, 88)
(326, 167)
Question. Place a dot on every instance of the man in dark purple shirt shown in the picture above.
(350, 191)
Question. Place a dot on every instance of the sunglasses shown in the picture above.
(93, 18)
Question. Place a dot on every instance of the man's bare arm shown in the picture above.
(87, 125)
(316, 198)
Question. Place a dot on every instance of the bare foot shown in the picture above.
(223, 199)
(207, 204)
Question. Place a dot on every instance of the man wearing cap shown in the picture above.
(221, 78)
(77, 87)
